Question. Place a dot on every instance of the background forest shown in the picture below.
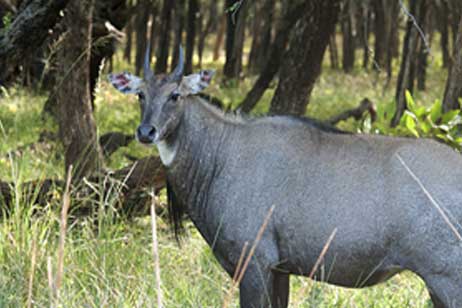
(389, 67)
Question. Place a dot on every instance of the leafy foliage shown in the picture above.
(419, 121)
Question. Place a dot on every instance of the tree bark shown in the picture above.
(219, 39)
(141, 29)
(455, 7)
(210, 25)
(407, 70)
(349, 39)
(422, 60)
(453, 91)
(443, 20)
(164, 38)
(179, 27)
(193, 10)
(294, 11)
(105, 39)
(380, 32)
(27, 33)
(261, 36)
(385, 23)
(235, 35)
(365, 33)
(77, 127)
(129, 42)
(154, 30)
(333, 52)
(301, 64)
(7, 6)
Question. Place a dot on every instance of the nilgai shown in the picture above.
(394, 203)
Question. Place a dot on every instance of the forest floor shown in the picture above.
(107, 259)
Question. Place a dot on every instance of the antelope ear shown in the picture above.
(194, 83)
(126, 82)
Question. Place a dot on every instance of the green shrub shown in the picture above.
(418, 121)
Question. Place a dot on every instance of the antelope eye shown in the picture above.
(175, 96)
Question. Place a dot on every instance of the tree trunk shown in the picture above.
(385, 23)
(407, 69)
(453, 91)
(141, 29)
(211, 24)
(349, 40)
(193, 10)
(256, 21)
(26, 33)
(104, 40)
(422, 60)
(77, 127)
(219, 39)
(392, 22)
(293, 12)
(179, 25)
(455, 7)
(261, 41)
(380, 33)
(443, 20)
(301, 64)
(235, 35)
(129, 41)
(365, 33)
(333, 52)
(164, 38)
(154, 30)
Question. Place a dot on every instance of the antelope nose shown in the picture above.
(146, 133)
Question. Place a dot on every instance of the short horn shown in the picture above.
(148, 73)
(178, 71)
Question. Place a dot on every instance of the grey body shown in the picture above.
(228, 172)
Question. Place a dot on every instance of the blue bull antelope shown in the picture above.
(226, 172)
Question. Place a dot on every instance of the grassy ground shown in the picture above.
(107, 260)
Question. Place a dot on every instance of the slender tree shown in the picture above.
(349, 37)
(128, 42)
(453, 91)
(206, 27)
(364, 31)
(141, 27)
(292, 13)
(154, 30)
(385, 25)
(179, 27)
(261, 35)
(220, 36)
(301, 66)
(423, 49)
(333, 52)
(235, 34)
(408, 64)
(163, 45)
(193, 10)
(77, 127)
(443, 25)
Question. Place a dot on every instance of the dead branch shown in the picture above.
(357, 113)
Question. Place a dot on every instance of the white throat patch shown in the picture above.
(167, 152)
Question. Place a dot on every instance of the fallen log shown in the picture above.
(357, 113)
(130, 186)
